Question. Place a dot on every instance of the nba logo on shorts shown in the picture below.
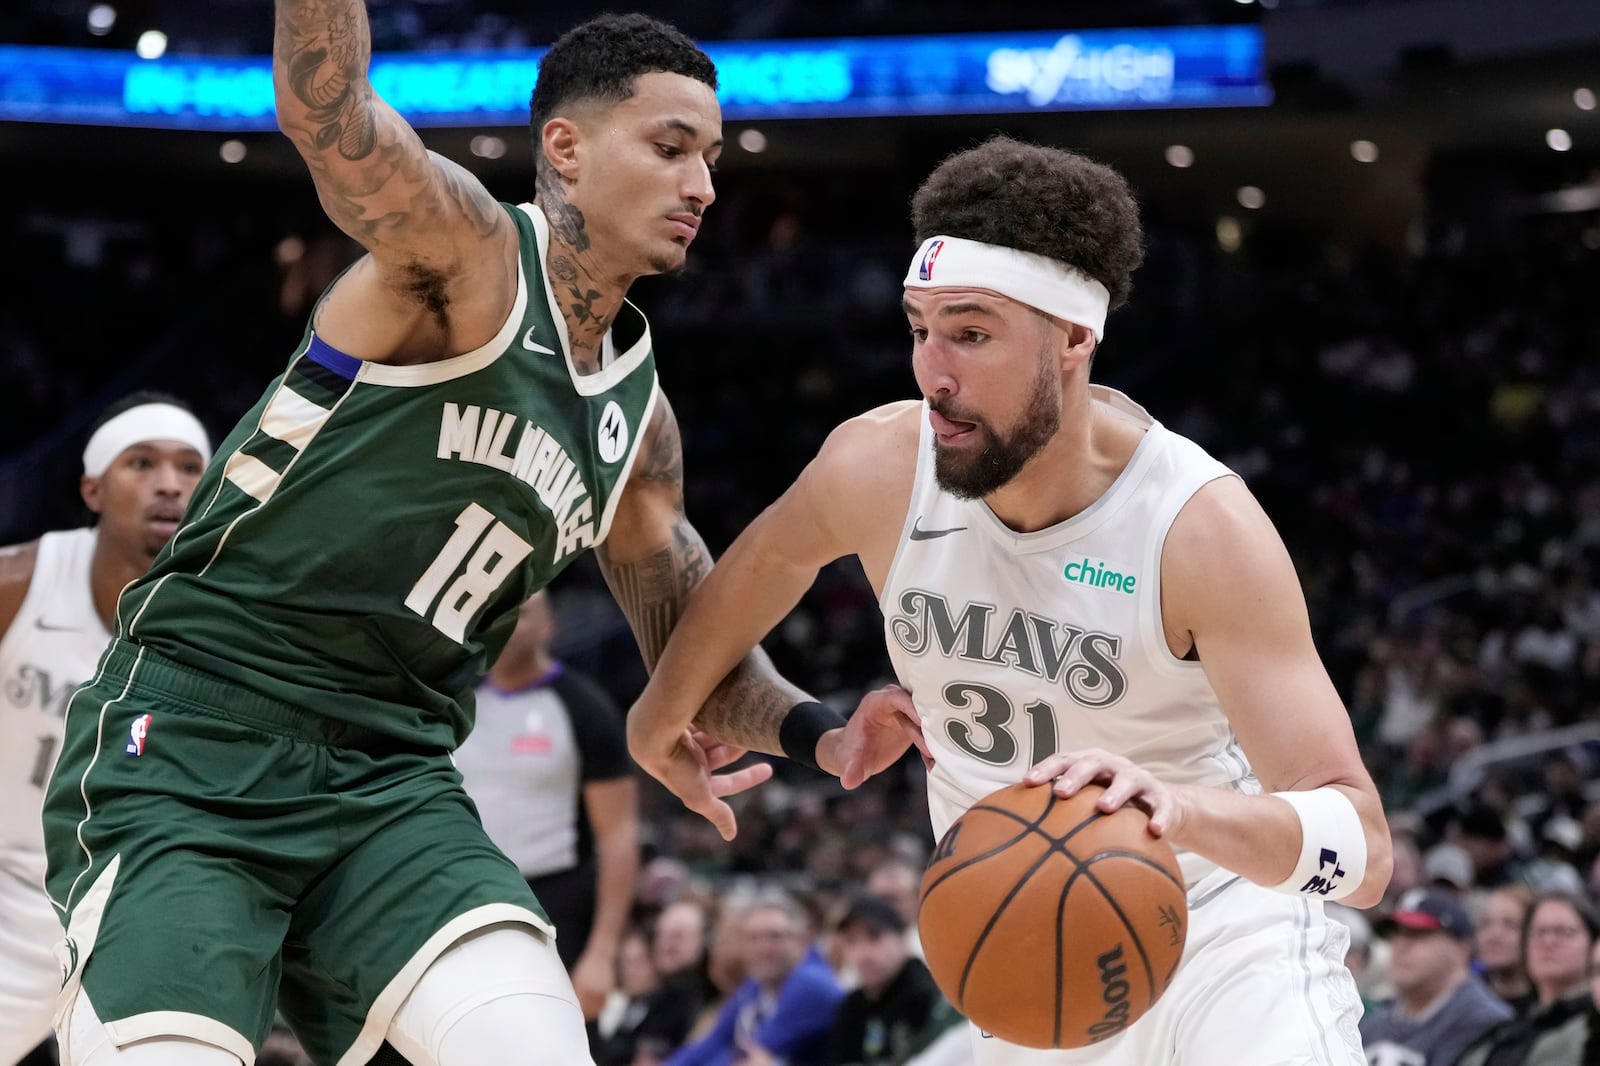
(136, 734)
(925, 271)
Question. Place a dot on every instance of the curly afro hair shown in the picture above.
(601, 58)
(1036, 199)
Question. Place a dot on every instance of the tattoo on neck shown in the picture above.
(563, 268)
(566, 221)
(583, 305)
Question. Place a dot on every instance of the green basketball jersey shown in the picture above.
(362, 541)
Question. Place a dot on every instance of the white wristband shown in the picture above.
(1333, 846)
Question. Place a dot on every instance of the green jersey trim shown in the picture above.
(604, 529)
(419, 374)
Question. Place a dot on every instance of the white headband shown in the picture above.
(1036, 280)
(136, 425)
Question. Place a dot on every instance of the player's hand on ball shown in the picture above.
(884, 725)
(1125, 782)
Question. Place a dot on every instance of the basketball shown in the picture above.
(1049, 923)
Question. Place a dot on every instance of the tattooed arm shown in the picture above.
(653, 560)
(441, 274)
(851, 500)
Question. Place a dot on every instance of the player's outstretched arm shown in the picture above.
(1229, 588)
(712, 671)
(424, 219)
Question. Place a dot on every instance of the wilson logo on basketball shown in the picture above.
(947, 844)
(1113, 993)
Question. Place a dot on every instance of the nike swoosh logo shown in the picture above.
(534, 346)
(918, 533)
(48, 628)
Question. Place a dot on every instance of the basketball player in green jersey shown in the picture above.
(255, 792)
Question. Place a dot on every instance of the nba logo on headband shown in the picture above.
(925, 271)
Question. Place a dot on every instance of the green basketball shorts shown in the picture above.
(217, 855)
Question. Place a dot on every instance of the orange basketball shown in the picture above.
(1049, 923)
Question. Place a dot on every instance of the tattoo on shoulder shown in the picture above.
(661, 451)
(463, 189)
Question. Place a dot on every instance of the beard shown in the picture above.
(668, 265)
(971, 474)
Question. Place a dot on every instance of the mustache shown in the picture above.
(947, 410)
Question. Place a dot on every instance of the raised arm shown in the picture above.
(442, 249)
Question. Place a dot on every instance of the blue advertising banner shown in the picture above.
(1203, 66)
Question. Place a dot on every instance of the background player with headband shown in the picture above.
(1073, 593)
(58, 595)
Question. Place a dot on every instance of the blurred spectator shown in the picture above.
(1560, 934)
(782, 1011)
(1562, 799)
(899, 880)
(1591, 1044)
(678, 949)
(1407, 864)
(1480, 831)
(724, 960)
(645, 1019)
(1440, 1006)
(897, 1010)
(1448, 866)
(1502, 913)
(547, 766)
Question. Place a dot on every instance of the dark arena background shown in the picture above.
(1372, 288)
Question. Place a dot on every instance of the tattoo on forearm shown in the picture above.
(653, 590)
(749, 705)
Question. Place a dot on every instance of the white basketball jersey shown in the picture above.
(52, 647)
(1018, 645)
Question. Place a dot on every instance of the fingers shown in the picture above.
(720, 755)
(716, 753)
(913, 732)
(718, 814)
(1053, 767)
(737, 781)
(1125, 783)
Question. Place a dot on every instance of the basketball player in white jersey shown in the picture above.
(58, 595)
(1072, 593)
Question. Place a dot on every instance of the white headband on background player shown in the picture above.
(138, 425)
(1036, 280)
